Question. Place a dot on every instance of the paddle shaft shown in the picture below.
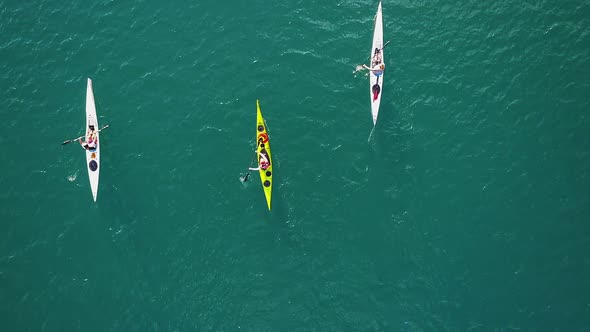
(77, 138)
(245, 178)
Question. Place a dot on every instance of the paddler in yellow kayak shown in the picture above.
(263, 161)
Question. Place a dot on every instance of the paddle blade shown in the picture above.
(245, 177)
(66, 142)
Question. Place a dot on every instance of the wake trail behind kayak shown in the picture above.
(371, 134)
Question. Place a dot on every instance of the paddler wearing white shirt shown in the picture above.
(90, 144)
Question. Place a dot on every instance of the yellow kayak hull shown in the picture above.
(263, 144)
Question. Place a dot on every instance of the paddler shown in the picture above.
(263, 162)
(377, 57)
(377, 65)
(91, 143)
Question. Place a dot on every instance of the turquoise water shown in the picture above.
(466, 210)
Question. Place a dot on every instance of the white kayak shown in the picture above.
(92, 156)
(376, 81)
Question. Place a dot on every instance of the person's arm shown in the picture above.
(375, 69)
(365, 66)
(254, 169)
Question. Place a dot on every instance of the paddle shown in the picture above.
(360, 67)
(245, 177)
(77, 138)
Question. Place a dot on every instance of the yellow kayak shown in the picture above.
(263, 154)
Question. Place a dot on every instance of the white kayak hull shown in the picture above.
(92, 156)
(376, 82)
